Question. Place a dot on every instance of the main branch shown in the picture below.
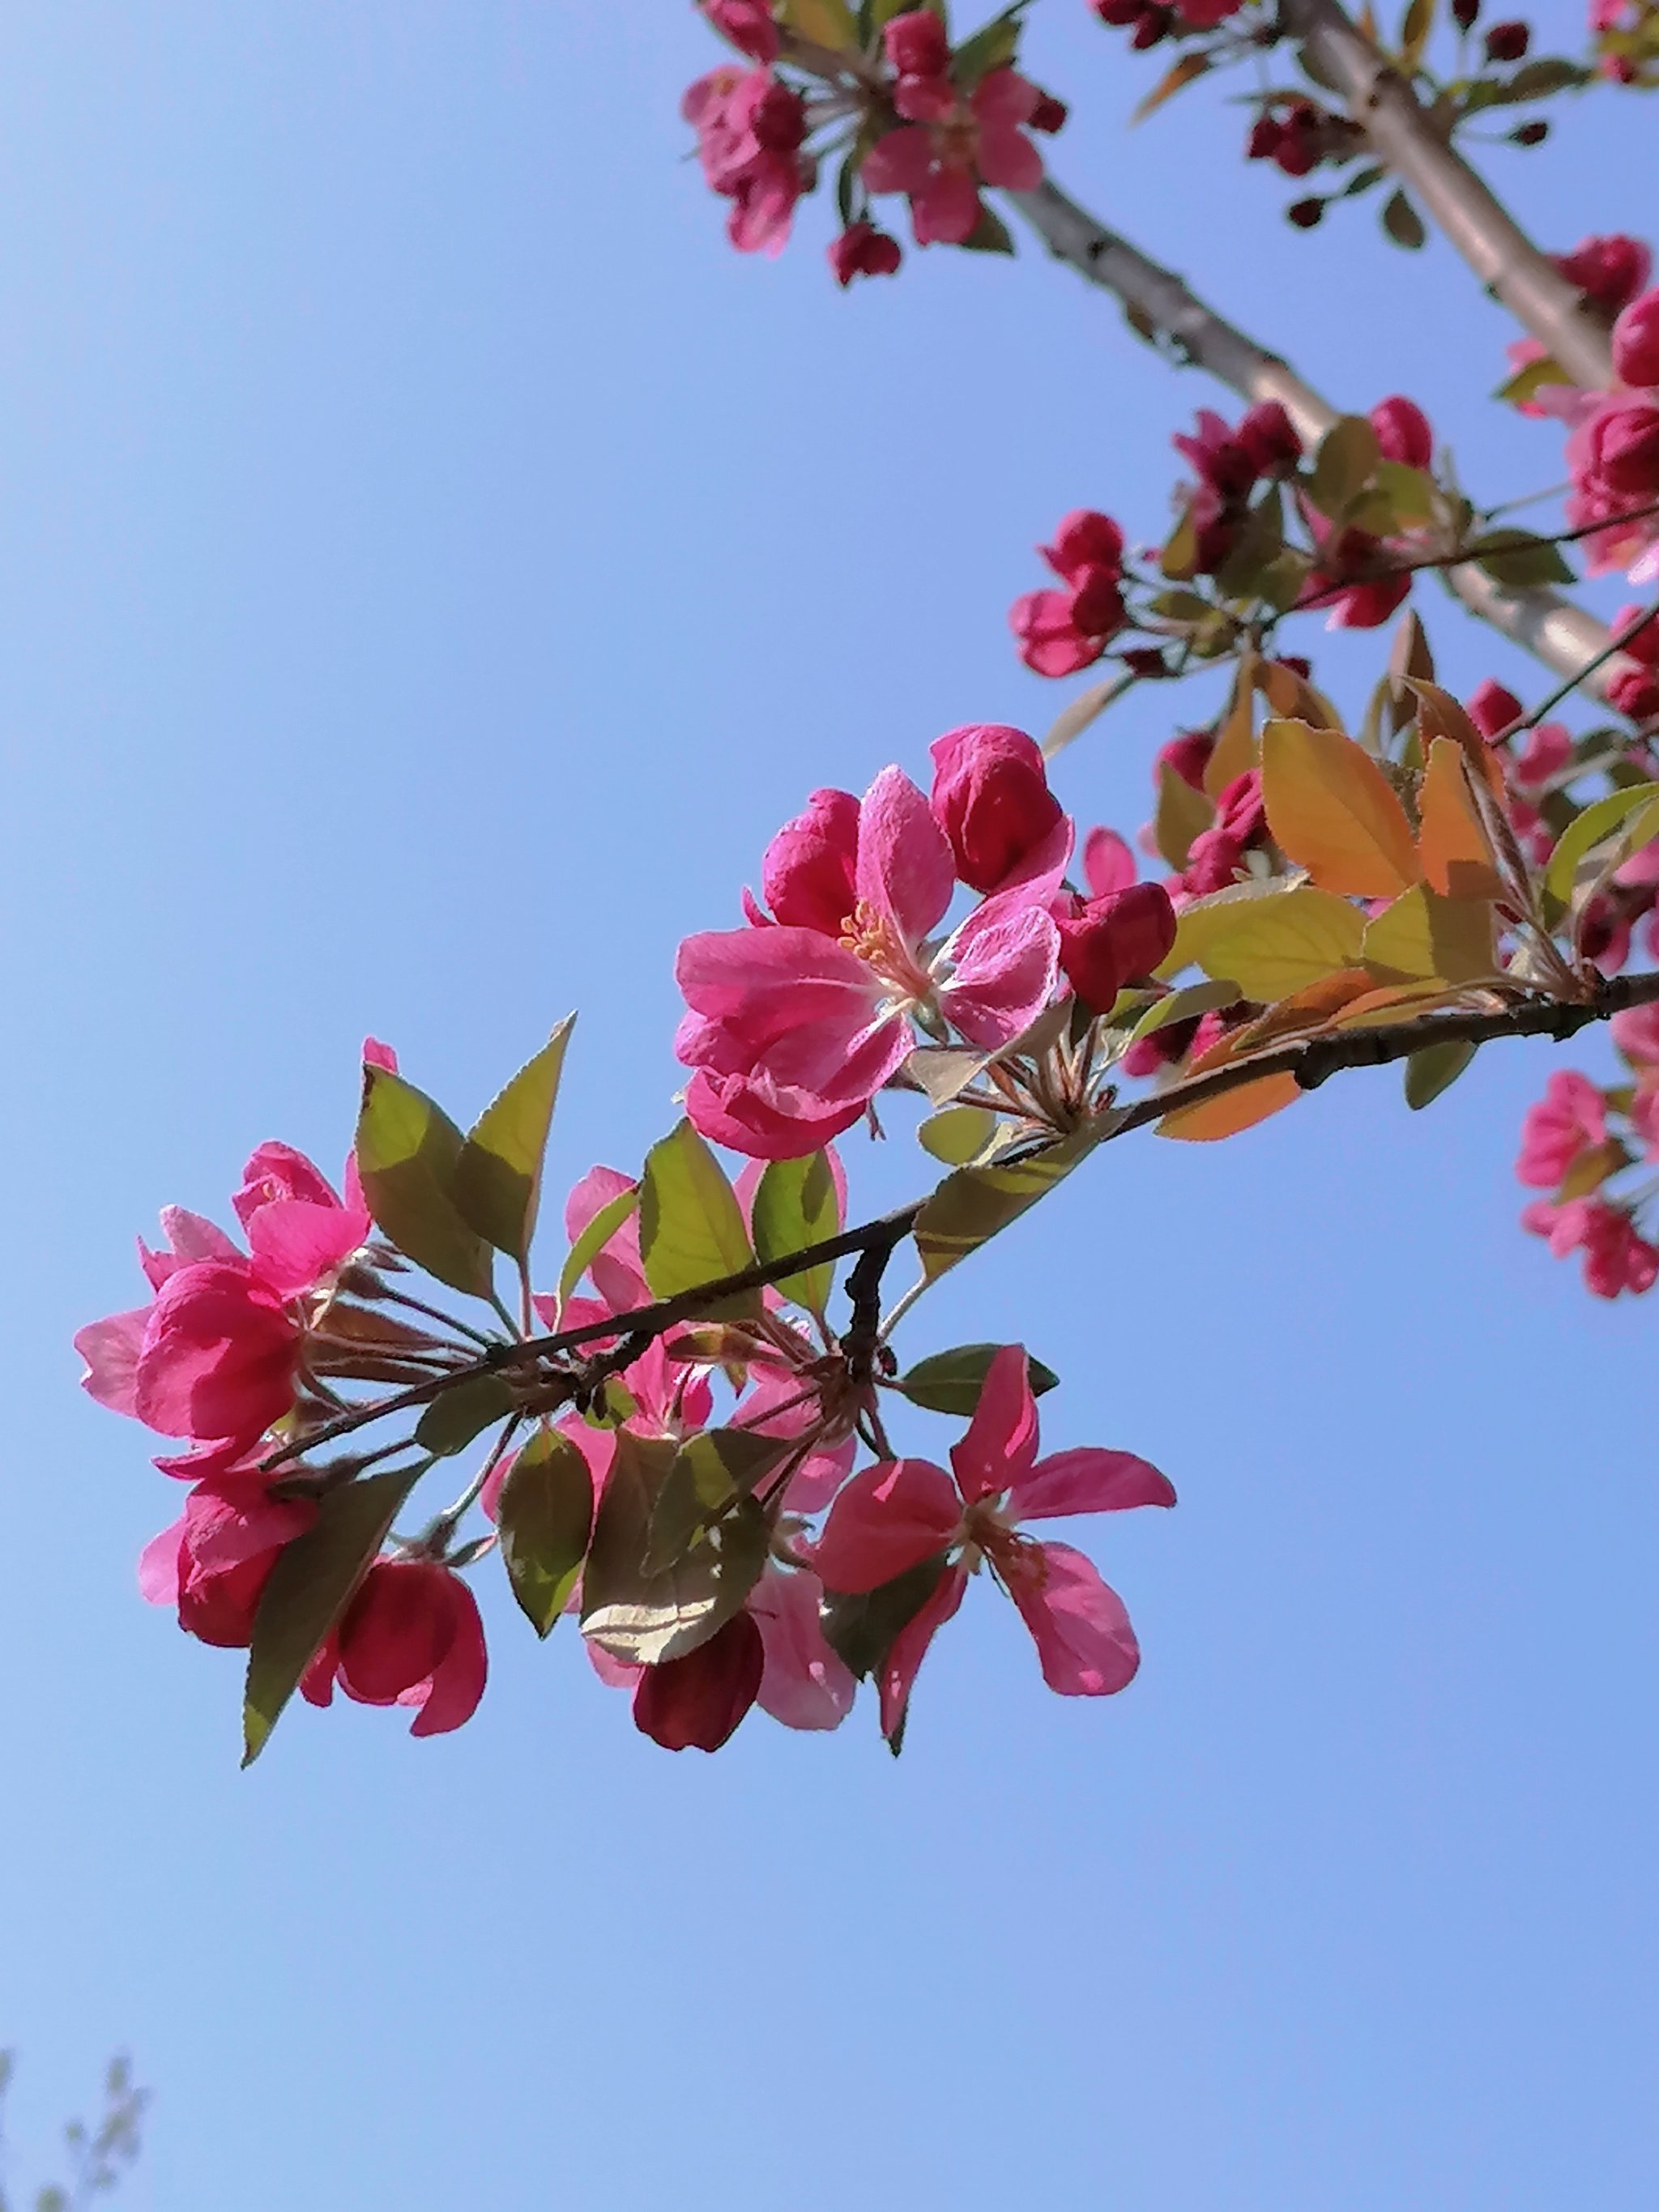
(1165, 309)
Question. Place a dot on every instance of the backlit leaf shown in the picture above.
(1232, 1112)
(408, 1150)
(1403, 224)
(544, 1516)
(691, 1227)
(972, 1206)
(795, 1205)
(1424, 935)
(862, 1629)
(1235, 741)
(1182, 814)
(1332, 810)
(1457, 860)
(1281, 944)
(651, 1618)
(311, 1585)
(1590, 829)
(600, 1229)
(464, 1410)
(1435, 1069)
(957, 1136)
(1183, 1005)
(1531, 379)
(823, 22)
(951, 1382)
(1348, 454)
(1518, 560)
(498, 1176)
(1187, 70)
(709, 1473)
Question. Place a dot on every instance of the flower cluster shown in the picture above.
(912, 115)
(1062, 631)
(1579, 1142)
(713, 1567)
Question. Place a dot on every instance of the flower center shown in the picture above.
(1017, 1559)
(875, 941)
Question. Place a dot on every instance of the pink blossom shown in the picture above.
(917, 44)
(1216, 854)
(1636, 1033)
(940, 162)
(748, 24)
(1403, 431)
(992, 799)
(901, 1513)
(750, 126)
(1107, 863)
(1570, 1119)
(1105, 943)
(791, 1031)
(411, 1637)
(1060, 632)
(1493, 708)
(1612, 271)
(215, 1560)
(1615, 1257)
(1546, 753)
(808, 874)
(1636, 341)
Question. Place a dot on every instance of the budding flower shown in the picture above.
(1492, 708)
(1507, 42)
(1306, 215)
(1636, 341)
(1403, 431)
(1108, 942)
(992, 799)
(917, 44)
(863, 251)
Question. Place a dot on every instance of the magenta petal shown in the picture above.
(1088, 1481)
(909, 1647)
(805, 1684)
(900, 161)
(111, 1348)
(905, 871)
(889, 1518)
(295, 1243)
(1004, 975)
(458, 1682)
(1008, 159)
(1107, 863)
(1004, 97)
(1078, 1624)
(748, 1114)
(1001, 1442)
(767, 980)
(159, 1564)
(947, 209)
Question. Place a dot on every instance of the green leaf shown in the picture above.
(464, 1410)
(1182, 814)
(992, 46)
(951, 1382)
(498, 1177)
(795, 1205)
(1347, 459)
(972, 1206)
(1529, 381)
(1435, 1068)
(861, 1629)
(1588, 830)
(990, 234)
(1414, 34)
(1179, 558)
(825, 22)
(1412, 494)
(1518, 560)
(958, 1135)
(408, 1149)
(593, 1239)
(314, 1581)
(545, 1513)
(651, 1618)
(1282, 945)
(1403, 224)
(1183, 1005)
(1539, 78)
(692, 1229)
(711, 1471)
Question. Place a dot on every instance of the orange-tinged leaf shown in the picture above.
(1457, 859)
(1306, 1011)
(1235, 745)
(1190, 66)
(1440, 715)
(1424, 936)
(1331, 809)
(1398, 1002)
(1232, 1111)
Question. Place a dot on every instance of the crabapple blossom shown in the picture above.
(1569, 1120)
(992, 799)
(411, 1636)
(941, 163)
(862, 250)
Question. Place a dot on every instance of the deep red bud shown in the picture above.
(992, 799)
(1403, 432)
(696, 1703)
(1120, 14)
(1113, 939)
(1085, 539)
(778, 120)
(1097, 603)
(1049, 115)
(1154, 24)
(863, 251)
(1189, 755)
(1625, 447)
(807, 875)
(1611, 270)
(1263, 141)
(1645, 645)
(1492, 708)
(1635, 692)
(1269, 437)
(1636, 341)
(1507, 42)
(1464, 13)
(1306, 215)
(1239, 814)
(1531, 134)
(917, 44)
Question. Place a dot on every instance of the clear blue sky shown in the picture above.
(433, 565)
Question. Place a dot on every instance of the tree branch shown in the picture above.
(1163, 308)
(1312, 1061)
(1475, 223)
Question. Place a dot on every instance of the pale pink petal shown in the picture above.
(376, 1054)
(889, 1518)
(111, 1348)
(1000, 1444)
(1004, 975)
(1088, 1481)
(804, 1685)
(909, 1647)
(158, 1567)
(905, 870)
(1078, 1624)
(295, 1243)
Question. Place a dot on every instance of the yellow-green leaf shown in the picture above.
(498, 1176)
(1332, 810)
(970, 1206)
(1423, 936)
(958, 1134)
(691, 1227)
(545, 1515)
(1182, 814)
(1187, 70)
(408, 1150)
(795, 1205)
(1591, 829)
(823, 22)
(1280, 945)
(1348, 454)
(1435, 1068)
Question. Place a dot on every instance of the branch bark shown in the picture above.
(1165, 309)
(1474, 221)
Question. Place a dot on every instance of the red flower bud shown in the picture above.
(807, 875)
(1189, 755)
(1507, 42)
(1097, 603)
(917, 44)
(1152, 24)
(1464, 13)
(863, 251)
(1612, 271)
(1263, 141)
(1049, 115)
(1270, 438)
(1085, 539)
(696, 1703)
(1491, 708)
(1109, 941)
(1635, 692)
(1624, 449)
(748, 24)
(1403, 432)
(1645, 646)
(1636, 341)
(992, 799)
(1306, 215)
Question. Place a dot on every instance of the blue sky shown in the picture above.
(433, 566)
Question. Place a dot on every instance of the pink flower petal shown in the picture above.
(889, 1517)
(900, 161)
(459, 1681)
(1004, 975)
(1088, 1481)
(909, 1648)
(1008, 159)
(296, 1243)
(805, 1684)
(905, 869)
(1078, 1624)
(111, 1348)
(1001, 1441)
(946, 209)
